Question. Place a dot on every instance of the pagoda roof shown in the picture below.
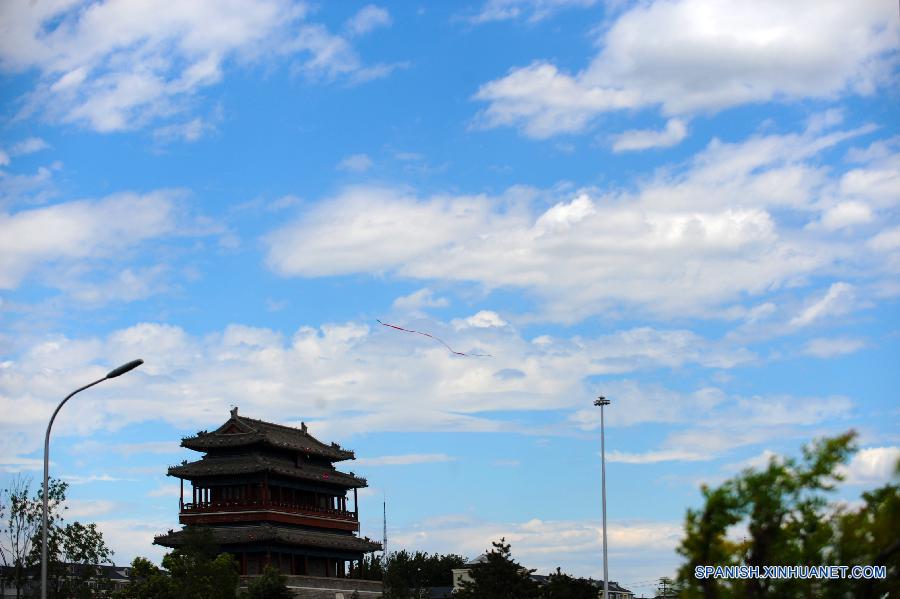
(268, 533)
(252, 463)
(240, 431)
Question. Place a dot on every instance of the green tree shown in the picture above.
(371, 568)
(789, 521)
(667, 587)
(20, 525)
(705, 542)
(868, 537)
(499, 577)
(83, 547)
(408, 575)
(146, 581)
(75, 553)
(272, 584)
(563, 586)
(198, 570)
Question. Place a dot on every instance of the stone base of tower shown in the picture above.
(315, 587)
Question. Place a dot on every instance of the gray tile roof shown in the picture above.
(256, 463)
(268, 533)
(254, 431)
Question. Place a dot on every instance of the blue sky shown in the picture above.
(688, 207)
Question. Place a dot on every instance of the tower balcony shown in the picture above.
(253, 510)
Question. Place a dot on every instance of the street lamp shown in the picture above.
(111, 375)
(602, 401)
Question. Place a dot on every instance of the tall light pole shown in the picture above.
(111, 375)
(602, 401)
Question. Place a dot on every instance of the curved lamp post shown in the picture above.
(602, 401)
(112, 374)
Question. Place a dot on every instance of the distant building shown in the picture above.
(464, 574)
(615, 591)
(271, 495)
(112, 578)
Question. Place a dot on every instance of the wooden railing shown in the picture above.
(249, 505)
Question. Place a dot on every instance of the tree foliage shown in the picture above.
(499, 577)
(790, 521)
(146, 581)
(80, 545)
(272, 584)
(20, 524)
(407, 575)
(371, 569)
(196, 569)
(75, 553)
(563, 586)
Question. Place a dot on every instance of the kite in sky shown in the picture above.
(444, 343)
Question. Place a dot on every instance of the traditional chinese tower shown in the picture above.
(270, 494)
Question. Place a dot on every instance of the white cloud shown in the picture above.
(356, 163)
(128, 285)
(674, 133)
(81, 230)
(822, 347)
(78, 479)
(27, 189)
(90, 509)
(876, 182)
(846, 214)
(712, 423)
(423, 298)
(368, 18)
(595, 250)
(886, 240)
(26, 146)
(405, 460)
(690, 241)
(757, 462)
(546, 544)
(872, 466)
(691, 56)
(546, 102)
(134, 537)
(530, 10)
(188, 131)
(654, 457)
(165, 491)
(481, 320)
(10, 462)
(367, 229)
(115, 66)
(838, 300)
(411, 383)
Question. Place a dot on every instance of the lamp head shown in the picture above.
(601, 401)
(124, 368)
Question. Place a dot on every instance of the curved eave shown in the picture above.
(212, 441)
(263, 533)
(340, 479)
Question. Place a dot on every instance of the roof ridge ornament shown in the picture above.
(303, 426)
(234, 411)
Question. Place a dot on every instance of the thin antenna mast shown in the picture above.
(384, 539)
